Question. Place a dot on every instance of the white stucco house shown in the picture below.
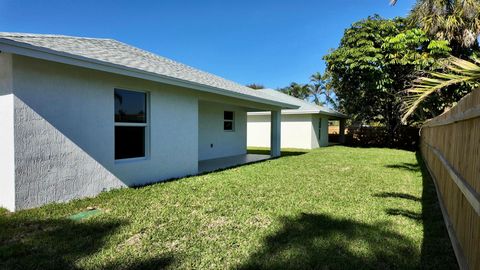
(305, 127)
(82, 115)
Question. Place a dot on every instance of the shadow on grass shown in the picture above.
(284, 153)
(436, 247)
(397, 195)
(318, 241)
(58, 243)
(436, 251)
(150, 264)
(405, 213)
(405, 166)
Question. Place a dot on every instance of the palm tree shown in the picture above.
(454, 20)
(320, 86)
(457, 21)
(301, 91)
(457, 71)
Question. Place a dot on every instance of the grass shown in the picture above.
(330, 208)
(286, 152)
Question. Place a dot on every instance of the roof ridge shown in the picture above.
(118, 53)
(32, 35)
(178, 63)
(320, 107)
(289, 96)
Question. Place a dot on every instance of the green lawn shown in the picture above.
(331, 208)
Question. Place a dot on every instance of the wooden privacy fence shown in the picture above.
(450, 145)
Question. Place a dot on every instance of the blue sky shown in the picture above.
(268, 42)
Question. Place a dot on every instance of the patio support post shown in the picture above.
(275, 130)
(341, 138)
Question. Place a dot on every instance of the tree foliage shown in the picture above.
(297, 90)
(255, 86)
(376, 60)
(457, 21)
(458, 72)
(319, 90)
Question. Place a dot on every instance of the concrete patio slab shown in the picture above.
(227, 162)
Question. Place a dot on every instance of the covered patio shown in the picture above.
(222, 134)
(211, 165)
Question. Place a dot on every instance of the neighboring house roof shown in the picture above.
(117, 57)
(305, 107)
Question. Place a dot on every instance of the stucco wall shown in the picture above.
(225, 143)
(258, 130)
(64, 125)
(296, 131)
(7, 166)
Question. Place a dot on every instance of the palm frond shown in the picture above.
(457, 71)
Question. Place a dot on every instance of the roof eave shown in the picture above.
(336, 115)
(25, 49)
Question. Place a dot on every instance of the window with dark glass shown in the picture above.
(228, 121)
(130, 124)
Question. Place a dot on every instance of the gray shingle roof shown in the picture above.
(305, 107)
(114, 52)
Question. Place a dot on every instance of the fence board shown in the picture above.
(450, 146)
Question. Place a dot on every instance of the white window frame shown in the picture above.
(227, 120)
(146, 125)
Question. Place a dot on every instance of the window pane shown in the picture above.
(228, 125)
(228, 115)
(129, 142)
(130, 106)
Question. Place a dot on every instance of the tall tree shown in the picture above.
(457, 21)
(376, 60)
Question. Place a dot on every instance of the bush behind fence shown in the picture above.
(404, 137)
